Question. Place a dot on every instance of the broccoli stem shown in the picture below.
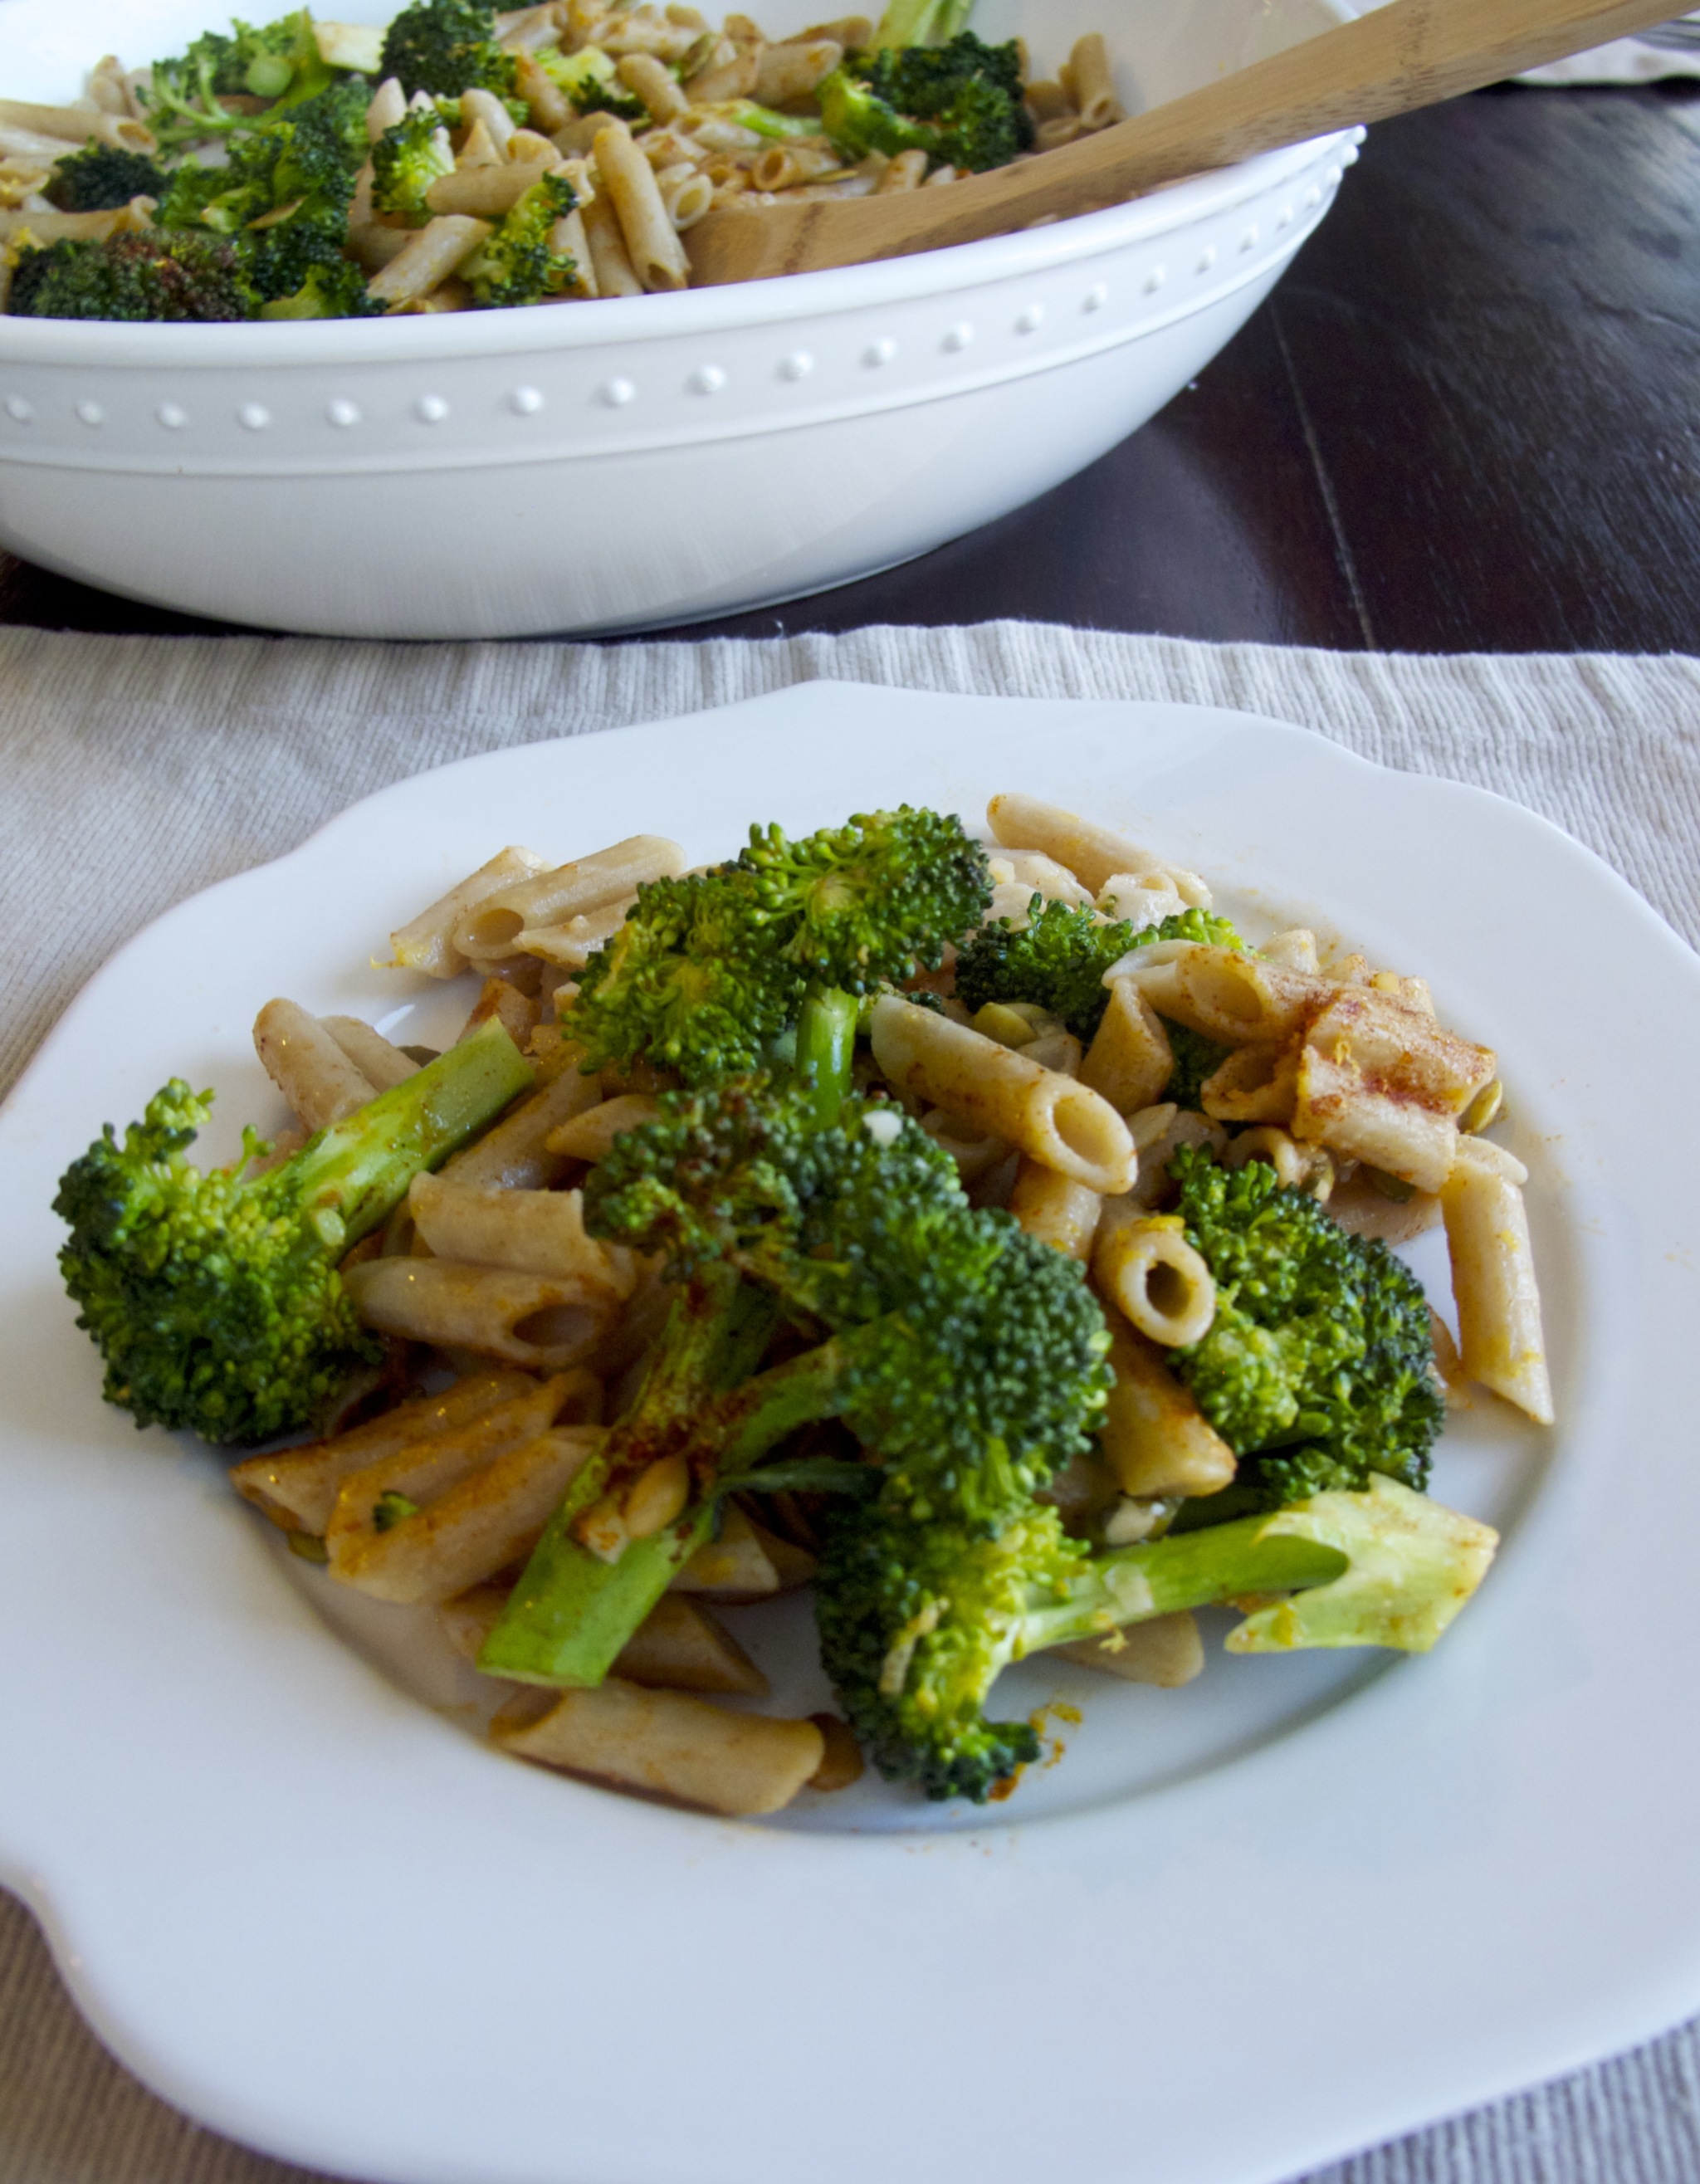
(921, 22)
(826, 1048)
(1157, 1577)
(356, 1172)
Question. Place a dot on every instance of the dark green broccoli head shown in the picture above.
(133, 277)
(330, 288)
(101, 177)
(1195, 1058)
(283, 198)
(409, 158)
(972, 1356)
(1058, 959)
(520, 263)
(916, 1622)
(216, 1301)
(446, 46)
(960, 102)
(708, 970)
(587, 80)
(1319, 1362)
(280, 61)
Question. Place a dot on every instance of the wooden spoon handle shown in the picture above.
(1409, 54)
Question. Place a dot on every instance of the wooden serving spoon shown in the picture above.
(1406, 54)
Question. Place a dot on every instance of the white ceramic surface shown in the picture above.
(649, 460)
(324, 1919)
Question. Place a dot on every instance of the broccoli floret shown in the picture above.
(920, 22)
(408, 159)
(280, 61)
(133, 277)
(216, 1301)
(519, 262)
(1196, 1057)
(284, 198)
(1058, 960)
(101, 177)
(446, 46)
(970, 1356)
(1319, 1366)
(330, 291)
(960, 102)
(707, 972)
(916, 1621)
(590, 83)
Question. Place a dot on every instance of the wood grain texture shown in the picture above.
(1468, 420)
(1408, 54)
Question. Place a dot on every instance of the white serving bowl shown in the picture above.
(651, 461)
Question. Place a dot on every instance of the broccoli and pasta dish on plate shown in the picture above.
(996, 1239)
(464, 159)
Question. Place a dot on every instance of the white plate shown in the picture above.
(1241, 1930)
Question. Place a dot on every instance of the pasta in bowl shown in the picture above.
(998, 1242)
(363, 479)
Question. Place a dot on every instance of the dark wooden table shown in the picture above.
(1468, 419)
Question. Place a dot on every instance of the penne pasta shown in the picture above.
(1094, 855)
(379, 1063)
(1155, 1440)
(1087, 74)
(486, 191)
(492, 929)
(515, 1155)
(587, 1136)
(1166, 1651)
(790, 70)
(73, 126)
(308, 1067)
(297, 1487)
(1159, 1280)
(1379, 1080)
(1500, 1342)
(1051, 1118)
(611, 262)
(1055, 1208)
(671, 1744)
(416, 1530)
(652, 243)
(1130, 1059)
(524, 1320)
(536, 1231)
(428, 257)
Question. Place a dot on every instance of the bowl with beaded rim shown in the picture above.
(647, 460)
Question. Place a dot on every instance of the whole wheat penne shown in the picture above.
(1155, 1438)
(427, 942)
(1055, 1208)
(492, 927)
(1379, 1080)
(1090, 82)
(672, 1745)
(1130, 1059)
(652, 242)
(1161, 1284)
(1254, 1084)
(486, 191)
(478, 105)
(427, 257)
(111, 89)
(524, 1319)
(587, 1136)
(538, 1232)
(736, 1566)
(611, 261)
(1052, 1119)
(387, 107)
(792, 68)
(906, 171)
(297, 1487)
(379, 1063)
(309, 1067)
(470, 1528)
(1501, 1340)
(1167, 1652)
(547, 104)
(567, 239)
(1094, 854)
(75, 126)
(679, 1646)
(658, 88)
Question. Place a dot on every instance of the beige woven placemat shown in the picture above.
(134, 770)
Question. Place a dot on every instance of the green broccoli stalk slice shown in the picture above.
(920, 22)
(216, 1301)
(409, 158)
(519, 262)
(589, 82)
(101, 177)
(709, 972)
(1058, 960)
(1319, 1368)
(446, 46)
(970, 1356)
(139, 278)
(764, 121)
(916, 1621)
